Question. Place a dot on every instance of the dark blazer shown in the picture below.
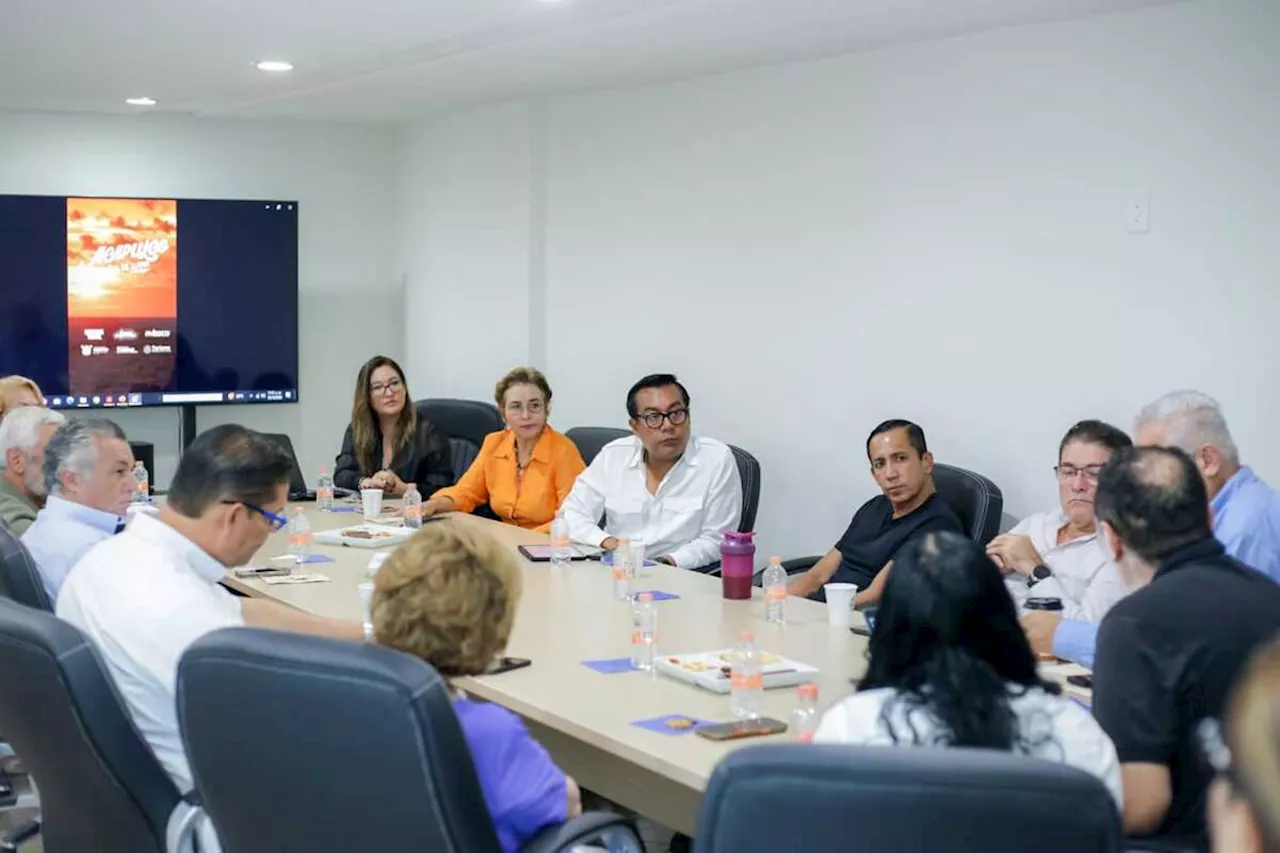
(427, 461)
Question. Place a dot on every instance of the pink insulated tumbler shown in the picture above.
(737, 565)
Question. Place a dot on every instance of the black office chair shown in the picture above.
(305, 743)
(590, 440)
(297, 482)
(976, 500)
(101, 787)
(903, 800)
(749, 475)
(465, 423)
(19, 578)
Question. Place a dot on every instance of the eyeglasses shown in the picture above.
(379, 388)
(1067, 473)
(653, 420)
(534, 407)
(276, 520)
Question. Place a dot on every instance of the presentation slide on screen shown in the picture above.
(122, 293)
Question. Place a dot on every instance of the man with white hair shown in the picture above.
(1246, 511)
(23, 436)
(88, 472)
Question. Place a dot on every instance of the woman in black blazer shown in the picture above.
(387, 445)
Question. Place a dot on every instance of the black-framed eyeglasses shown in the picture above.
(653, 420)
(276, 520)
(1067, 473)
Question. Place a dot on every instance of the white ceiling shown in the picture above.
(395, 59)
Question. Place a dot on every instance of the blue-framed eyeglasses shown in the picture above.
(276, 520)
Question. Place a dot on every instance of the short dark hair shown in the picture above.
(654, 380)
(915, 435)
(228, 462)
(1155, 500)
(1096, 432)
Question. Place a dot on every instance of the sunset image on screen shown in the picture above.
(122, 293)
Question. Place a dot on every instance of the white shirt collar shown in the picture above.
(157, 532)
(107, 522)
(690, 454)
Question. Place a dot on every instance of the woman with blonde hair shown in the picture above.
(387, 446)
(448, 596)
(523, 472)
(1244, 752)
(18, 391)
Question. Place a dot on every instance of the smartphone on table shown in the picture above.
(757, 727)
(506, 664)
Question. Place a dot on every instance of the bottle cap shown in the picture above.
(775, 559)
(324, 469)
(747, 636)
(297, 510)
(809, 690)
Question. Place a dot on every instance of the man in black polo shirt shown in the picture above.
(1168, 654)
(903, 469)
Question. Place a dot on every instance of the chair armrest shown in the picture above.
(19, 835)
(620, 831)
(800, 565)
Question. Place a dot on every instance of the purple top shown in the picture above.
(523, 787)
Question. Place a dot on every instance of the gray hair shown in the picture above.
(1193, 419)
(74, 448)
(20, 430)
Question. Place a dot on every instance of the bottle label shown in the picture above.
(804, 737)
(620, 572)
(413, 511)
(560, 542)
(323, 494)
(741, 681)
(300, 539)
(777, 592)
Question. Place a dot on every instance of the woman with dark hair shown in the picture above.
(387, 446)
(948, 665)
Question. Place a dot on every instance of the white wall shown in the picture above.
(933, 232)
(344, 177)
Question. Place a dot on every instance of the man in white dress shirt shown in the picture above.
(147, 594)
(1058, 554)
(676, 493)
(88, 472)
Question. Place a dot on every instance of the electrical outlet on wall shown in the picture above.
(1138, 213)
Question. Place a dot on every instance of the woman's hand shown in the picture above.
(393, 485)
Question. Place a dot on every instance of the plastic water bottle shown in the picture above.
(141, 484)
(324, 489)
(644, 631)
(622, 570)
(561, 544)
(299, 536)
(412, 508)
(775, 592)
(746, 679)
(804, 719)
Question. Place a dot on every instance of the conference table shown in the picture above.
(569, 614)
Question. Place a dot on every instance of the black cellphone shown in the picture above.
(505, 664)
(860, 631)
(742, 728)
(1053, 604)
(264, 572)
(1085, 681)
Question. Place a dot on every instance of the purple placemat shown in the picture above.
(659, 724)
(658, 595)
(609, 666)
(607, 559)
(316, 558)
(343, 509)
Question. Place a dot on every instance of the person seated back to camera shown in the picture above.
(448, 596)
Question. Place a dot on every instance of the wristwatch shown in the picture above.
(1038, 574)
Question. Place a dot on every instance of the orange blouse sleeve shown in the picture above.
(472, 488)
(566, 465)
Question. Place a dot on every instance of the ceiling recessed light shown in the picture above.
(275, 65)
(140, 102)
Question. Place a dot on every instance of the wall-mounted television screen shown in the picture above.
(109, 302)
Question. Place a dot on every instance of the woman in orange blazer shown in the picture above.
(523, 472)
